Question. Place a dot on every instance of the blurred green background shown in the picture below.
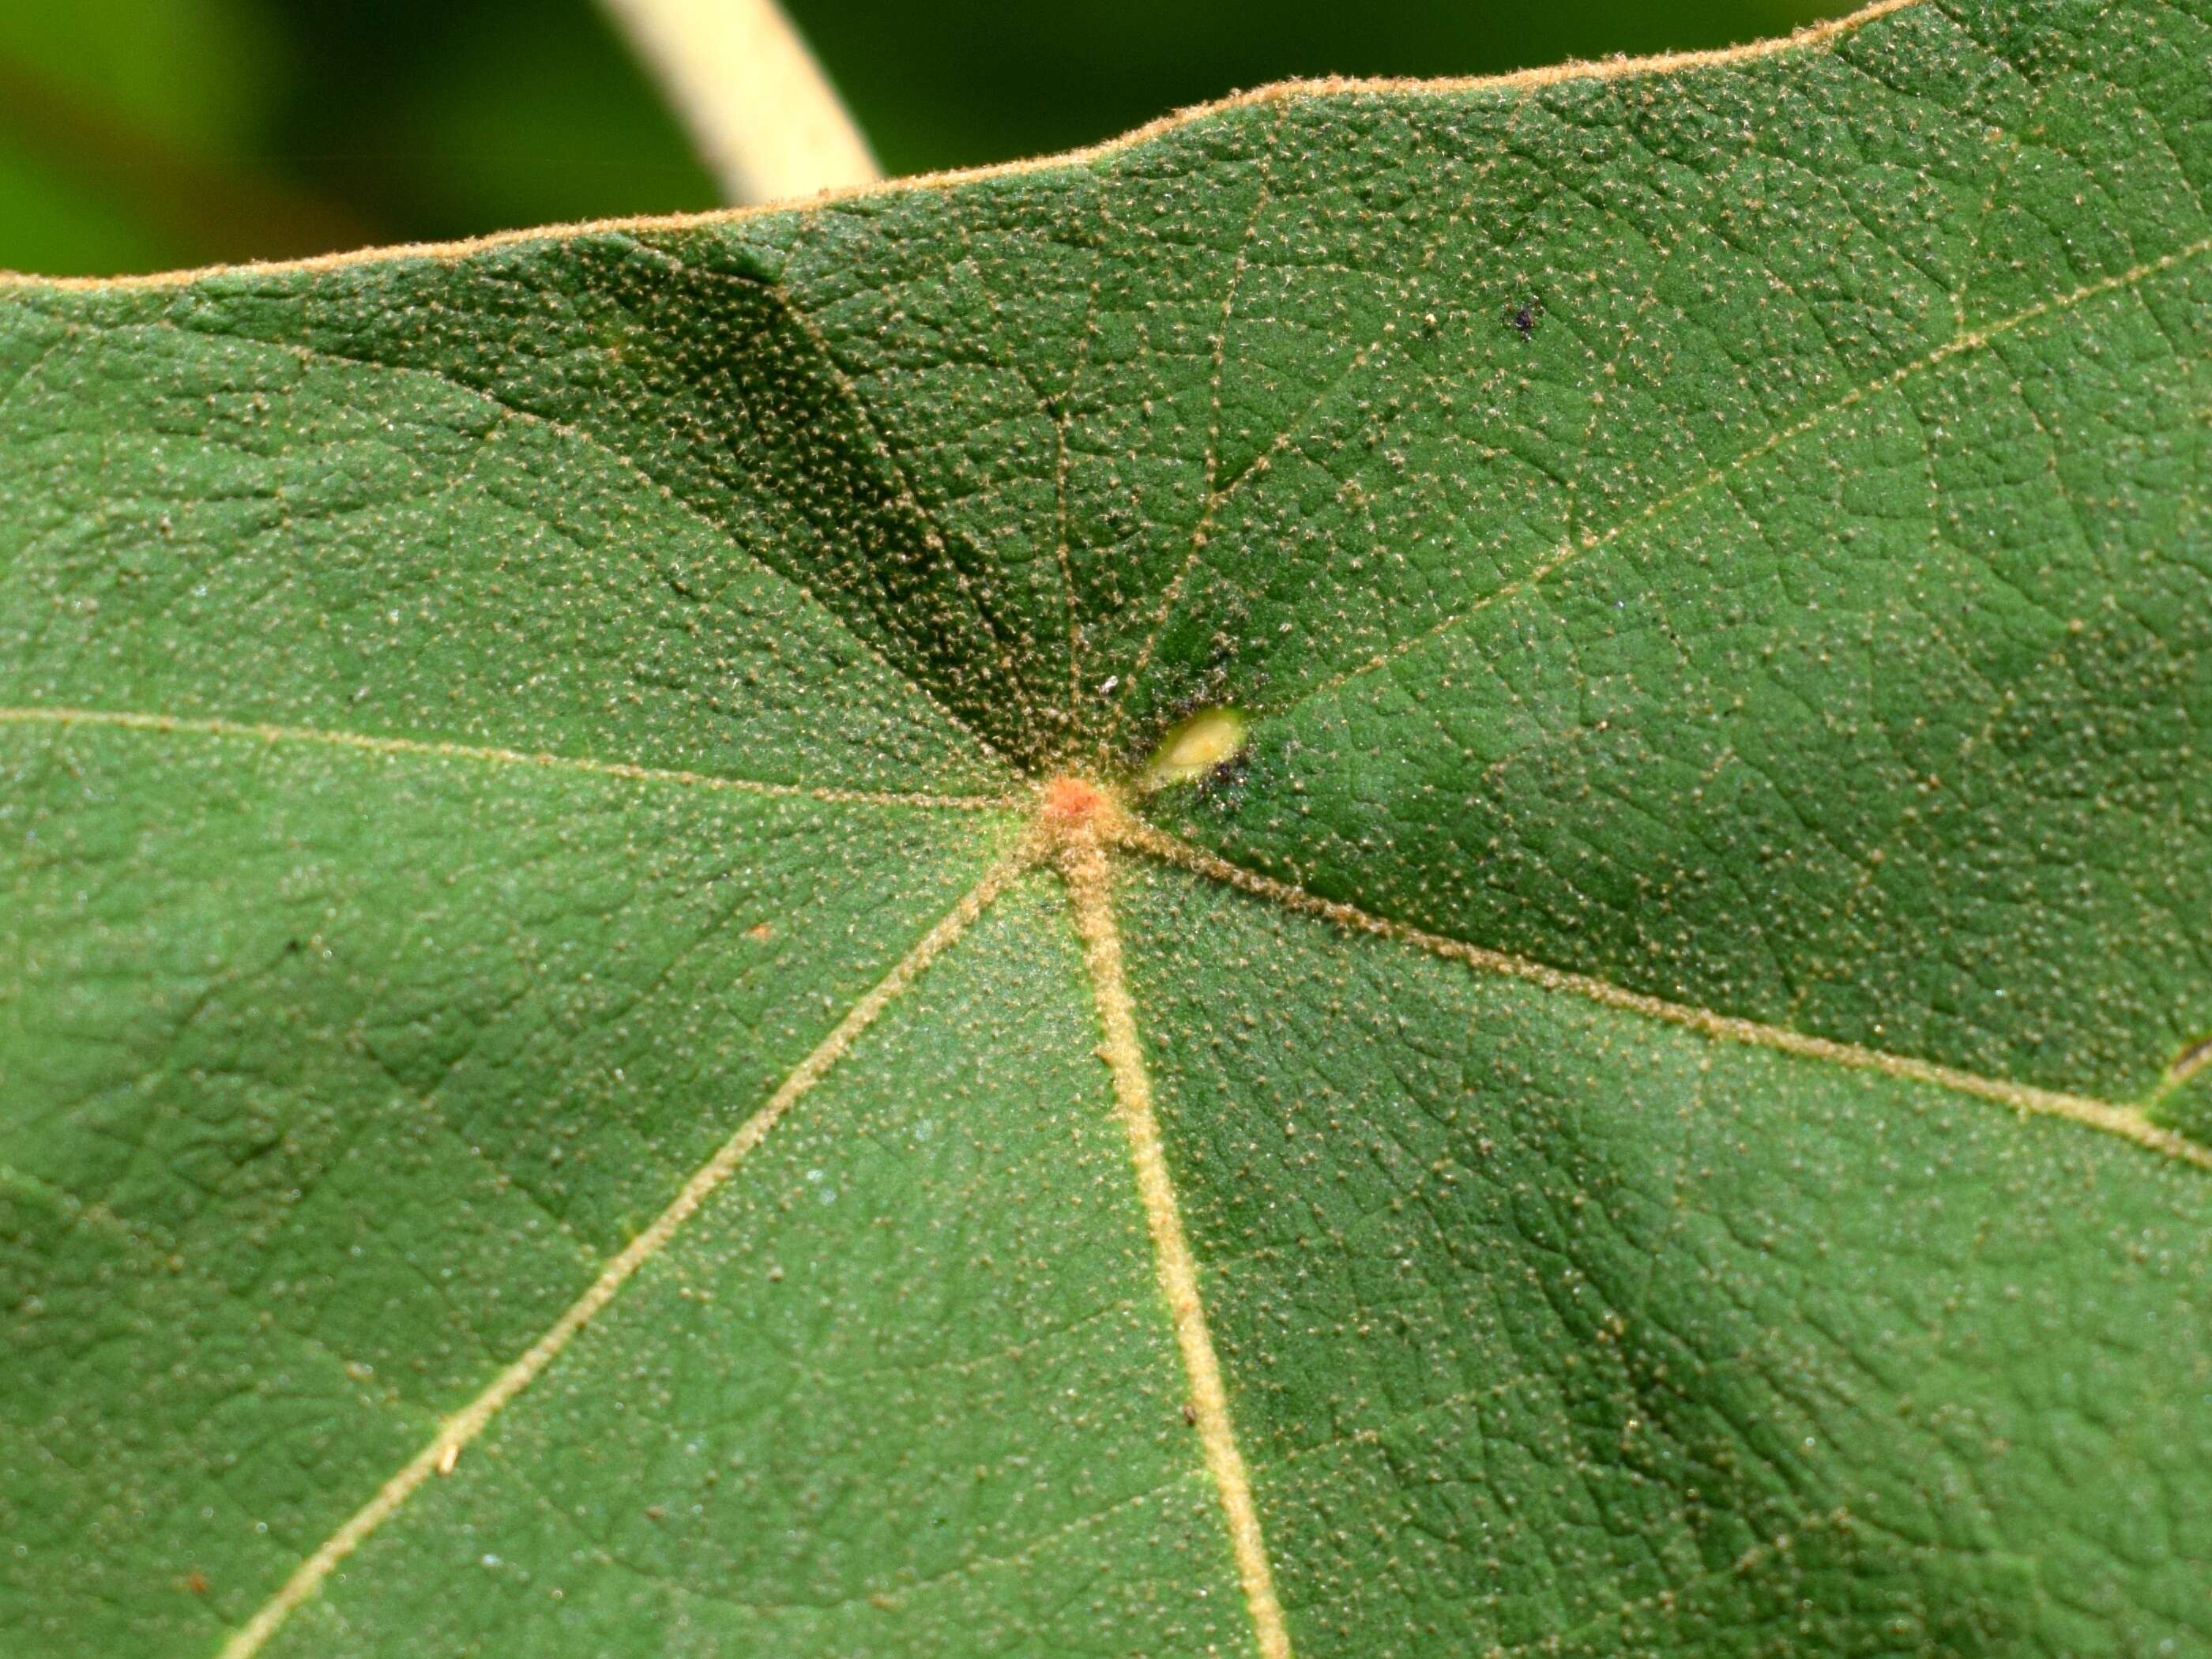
(138, 134)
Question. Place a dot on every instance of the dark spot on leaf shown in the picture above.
(2193, 1059)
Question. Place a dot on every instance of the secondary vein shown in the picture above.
(1574, 548)
(2128, 1122)
(444, 1449)
(141, 721)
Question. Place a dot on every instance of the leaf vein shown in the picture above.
(492, 754)
(1089, 883)
(471, 1421)
(1571, 550)
(2129, 1123)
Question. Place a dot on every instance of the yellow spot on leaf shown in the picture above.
(1196, 746)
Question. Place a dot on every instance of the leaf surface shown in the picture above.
(618, 1036)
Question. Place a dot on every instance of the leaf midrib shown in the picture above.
(2129, 1121)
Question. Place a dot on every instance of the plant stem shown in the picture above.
(764, 116)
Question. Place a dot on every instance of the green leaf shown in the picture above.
(965, 82)
(1416, 870)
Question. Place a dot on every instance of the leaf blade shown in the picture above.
(1019, 474)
